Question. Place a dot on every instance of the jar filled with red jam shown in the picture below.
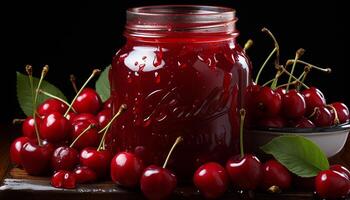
(180, 73)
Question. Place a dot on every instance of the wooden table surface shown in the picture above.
(15, 183)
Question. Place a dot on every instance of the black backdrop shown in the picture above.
(76, 38)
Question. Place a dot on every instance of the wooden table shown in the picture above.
(15, 183)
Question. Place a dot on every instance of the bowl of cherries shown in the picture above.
(294, 108)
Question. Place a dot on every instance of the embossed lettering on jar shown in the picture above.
(181, 73)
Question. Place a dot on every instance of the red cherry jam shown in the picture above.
(180, 73)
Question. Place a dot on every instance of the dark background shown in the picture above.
(77, 38)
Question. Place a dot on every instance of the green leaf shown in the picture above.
(102, 84)
(300, 155)
(24, 94)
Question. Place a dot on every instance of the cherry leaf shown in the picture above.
(102, 84)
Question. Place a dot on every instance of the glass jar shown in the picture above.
(180, 73)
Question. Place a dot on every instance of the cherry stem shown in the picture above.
(303, 75)
(295, 78)
(298, 54)
(94, 73)
(74, 83)
(242, 113)
(275, 80)
(264, 64)
(81, 134)
(177, 141)
(17, 121)
(336, 118)
(277, 46)
(29, 71)
(278, 74)
(290, 61)
(121, 110)
(316, 109)
(55, 97)
(248, 44)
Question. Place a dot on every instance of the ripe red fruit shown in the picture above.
(157, 183)
(108, 104)
(126, 169)
(90, 138)
(98, 161)
(104, 117)
(92, 119)
(342, 111)
(343, 170)
(267, 103)
(302, 122)
(281, 91)
(293, 105)
(313, 98)
(88, 101)
(211, 179)
(28, 128)
(15, 150)
(322, 117)
(54, 127)
(331, 184)
(273, 122)
(245, 172)
(275, 174)
(63, 179)
(84, 174)
(64, 158)
(51, 105)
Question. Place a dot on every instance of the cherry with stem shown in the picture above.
(54, 97)
(81, 134)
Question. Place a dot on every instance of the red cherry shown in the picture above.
(104, 117)
(108, 104)
(15, 150)
(90, 138)
(64, 158)
(28, 128)
(245, 172)
(51, 105)
(157, 183)
(98, 161)
(313, 98)
(293, 105)
(331, 184)
(126, 169)
(281, 91)
(302, 122)
(342, 111)
(273, 122)
(54, 127)
(84, 174)
(88, 101)
(322, 117)
(343, 170)
(70, 116)
(211, 179)
(63, 179)
(275, 174)
(92, 119)
(36, 159)
(267, 102)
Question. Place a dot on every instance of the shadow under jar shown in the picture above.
(181, 73)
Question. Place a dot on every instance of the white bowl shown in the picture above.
(330, 139)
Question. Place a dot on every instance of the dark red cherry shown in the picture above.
(157, 183)
(63, 179)
(54, 127)
(273, 122)
(28, 128)
(211, 179)
(98, 161)
(84, 174)
(293, 105)
(90, 138)
(302, 122)
(275, 174)
(245, 172)
(322, 117)
(92, 119)
(126, 169)
(104, 117)
(107, 104)
(313, 98)
(88, 101)
(15, 150)
(36, 159)
(343, 170)
(332, 184)
(64, 158)
(342, 111)
(281, 91)
(51, 105)
(267, 103)
(70, 116)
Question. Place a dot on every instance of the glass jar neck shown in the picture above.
(181, 22)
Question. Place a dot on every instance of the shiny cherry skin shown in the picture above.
(55, 127)
(313, 98)
(88, 101)
(36, 159)
(339, 168)
(107, 104)
(211, 179)
(302, 122)
(51, 105)
(64, 158)
(322, 117)
(293, 105)
(15, 150)
(126, 169)
(86, 117)
(91, 138)
(275, 174)
(245, 172)
(98, 161)
(157, 183)
(64, 179)
(84, 174)
(342, 112)
(267, 103)
(274, 122)
(104, 117)
(281, 91)
(70, 116)
(331, 184)
(28, 128)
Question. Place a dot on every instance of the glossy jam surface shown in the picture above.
(176, 89)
